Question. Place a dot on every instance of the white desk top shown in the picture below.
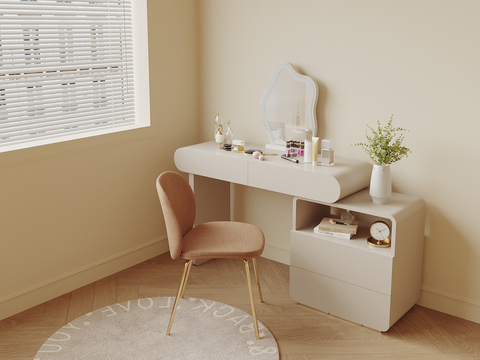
(321, 183)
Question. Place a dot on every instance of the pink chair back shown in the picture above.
(179, 208)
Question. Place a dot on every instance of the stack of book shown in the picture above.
(336, 228)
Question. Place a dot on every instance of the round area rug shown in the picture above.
(202, 329)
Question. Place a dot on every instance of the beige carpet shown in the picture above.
(135, 330)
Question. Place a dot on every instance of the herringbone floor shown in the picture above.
(302, 333)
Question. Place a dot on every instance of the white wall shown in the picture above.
(72, 213)
(415, 59)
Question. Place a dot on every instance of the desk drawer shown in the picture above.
(331, 258)
(216, 163)
(338, 298)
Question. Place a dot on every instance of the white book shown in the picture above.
(332, 233)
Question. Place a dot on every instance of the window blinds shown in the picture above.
(65, 67)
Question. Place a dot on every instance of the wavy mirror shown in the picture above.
(288, 106)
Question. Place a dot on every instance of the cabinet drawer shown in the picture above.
(332, 258)
(338, 298)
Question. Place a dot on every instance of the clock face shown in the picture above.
(379, 230)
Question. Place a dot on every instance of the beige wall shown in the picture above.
(415, 59)
(74, 212)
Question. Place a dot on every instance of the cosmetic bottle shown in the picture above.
(288, 145)
(308, 146)
(315, 141)
(228, 134)
(327, 156)
(217, 123)
(297, 147)
(219, 136)
(238, 145)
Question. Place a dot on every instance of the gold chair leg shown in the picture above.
(186, 279)
(257, 279)
(254, 313)
(181, 289)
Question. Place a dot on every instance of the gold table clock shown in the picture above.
(380, 235)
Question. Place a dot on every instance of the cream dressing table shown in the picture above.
(347, 278)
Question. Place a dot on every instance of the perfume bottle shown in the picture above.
(228, 134)
(315, 141)
(217, 123)
(327, 156)
(219, 137)
(308, 146)
(288, 146)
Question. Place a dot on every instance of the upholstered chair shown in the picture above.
(217, 239)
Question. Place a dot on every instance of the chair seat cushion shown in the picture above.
(223, 239)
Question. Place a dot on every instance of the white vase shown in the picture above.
(380, 184)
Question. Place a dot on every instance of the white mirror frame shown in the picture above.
(310, 104)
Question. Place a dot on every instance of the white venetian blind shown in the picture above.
(65, 67)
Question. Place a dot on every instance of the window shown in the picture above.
(71, 69)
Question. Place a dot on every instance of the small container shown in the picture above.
(327, 155)
(315, 141)
(238, 142)
(219, 136)
(228, 134)
(297, 147)
(288, 147)
(238, 145)
(308, 146)
(217, 123)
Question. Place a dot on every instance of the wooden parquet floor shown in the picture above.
(302, 333)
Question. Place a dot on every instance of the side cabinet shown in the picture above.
(349, 278)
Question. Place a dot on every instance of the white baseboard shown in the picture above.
(451, 304)
(38, 294)
(277, 253)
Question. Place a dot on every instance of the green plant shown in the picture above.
(384, 147)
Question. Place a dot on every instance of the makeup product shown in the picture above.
(315, 141)
(219, 136)
(256, 154)
(327, 156)
(288, 145)
(308, 146)
(238, 145)
(228, 134)
(289, 159)
(217, 123)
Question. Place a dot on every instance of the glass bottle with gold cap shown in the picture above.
(228, 134)
(217, 123)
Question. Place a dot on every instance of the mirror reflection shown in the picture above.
(288, 106)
